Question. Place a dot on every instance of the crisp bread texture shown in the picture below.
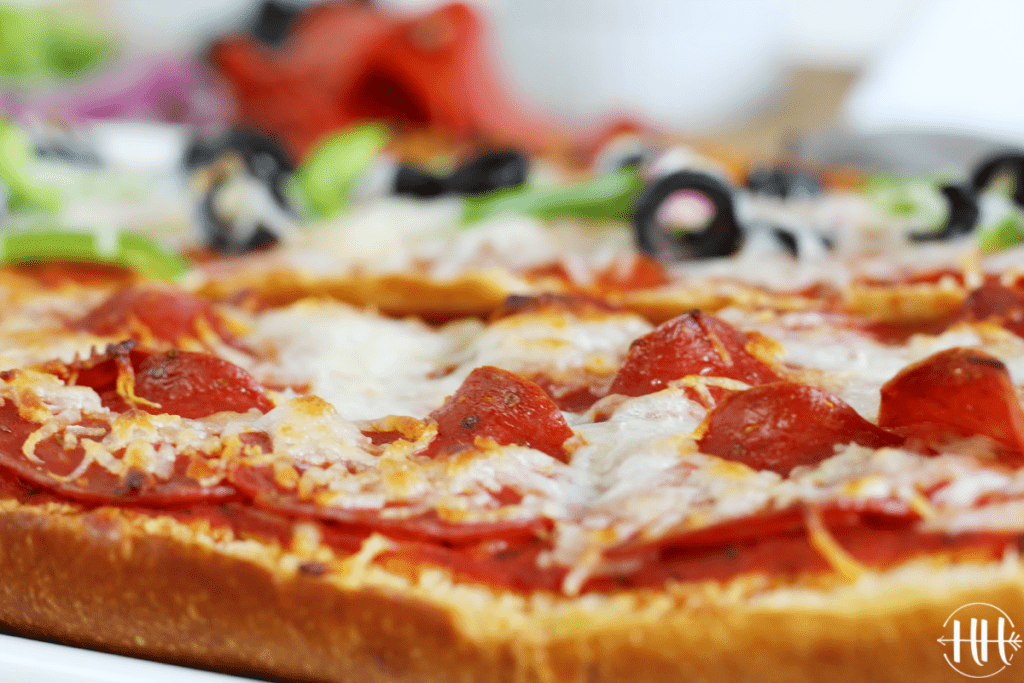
(162, 589)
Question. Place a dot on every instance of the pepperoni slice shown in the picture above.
(1004, 304)
(500, 405)
(692, 344)
(184, 383)
(165, 314)
(838, 513)
(259, 482)
(54, 462)
(782, 425)
(952, 394)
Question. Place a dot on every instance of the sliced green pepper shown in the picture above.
(131, 251)
(48, 42)
(326, 180)
(609, 196)
(16, 159)
(1004, 234)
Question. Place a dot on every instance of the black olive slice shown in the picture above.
(221, 232)
(656, 234)
(1009, 162)
(488, 172)
(788, 240)
(216, 229)
(416, 182)
(962, 217)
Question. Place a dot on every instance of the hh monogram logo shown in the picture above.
(982, 638)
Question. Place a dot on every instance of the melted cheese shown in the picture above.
(635, 470)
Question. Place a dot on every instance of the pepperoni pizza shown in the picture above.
(570, 488)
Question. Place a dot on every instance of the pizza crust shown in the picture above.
(161, 589)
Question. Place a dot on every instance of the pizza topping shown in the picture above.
(686, 215)
(489, 172)
(309, 431)
(91, 460)
(962, 214)
(196, 385)
(999, 303)
(955, 394)
(136, 252)
(499, 405)
(783, 425)
(184, 383)
(692, 344)
(150, 313)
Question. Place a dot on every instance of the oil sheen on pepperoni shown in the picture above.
(168, 314)
(779, 426)
(497, 404)
(195, 385)
(692, 344)
(955, 393)
(185, 383)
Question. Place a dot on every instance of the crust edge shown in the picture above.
(157, 589)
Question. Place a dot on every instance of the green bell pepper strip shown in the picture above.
(609, 196)
(326, 179)
(48, 42)
(1004, 234)
(17, 157)
(132, 251)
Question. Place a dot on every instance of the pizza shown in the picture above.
(742, 429)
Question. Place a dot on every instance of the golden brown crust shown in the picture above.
(156, 588)
(470, 295)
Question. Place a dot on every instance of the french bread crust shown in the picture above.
(158, 588)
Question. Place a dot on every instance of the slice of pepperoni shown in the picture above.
(782, 425)
(497, 404)
(195, 385)
(993, 301)
(692, 344)
(792, 520)
(184, 383)
(55, 460)
(165, 314)
(259, 482)
(952, 394)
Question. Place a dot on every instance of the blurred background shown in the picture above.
(904, 83)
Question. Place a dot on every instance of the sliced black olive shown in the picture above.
(799, 244)
(273, 21)
(262, 238)
(488, 172)
(217, 230)
(415, 182)
(783, 183)
(719, 235)
(201, 152)
(264, 159)
(1004, 162)
(221, 233)
(787, 239)
(962, 216)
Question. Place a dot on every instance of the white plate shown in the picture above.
(32, 661)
